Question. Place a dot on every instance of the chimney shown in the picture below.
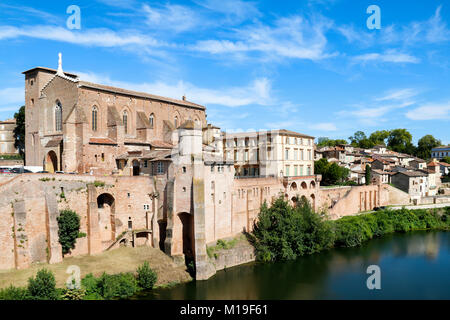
(184, 98)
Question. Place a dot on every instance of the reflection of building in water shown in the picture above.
(427, 245)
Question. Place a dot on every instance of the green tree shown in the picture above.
(446, 159)
(400, 140)
(368, 174)
(43, 287)
(325, 142)
(146, 277)
(19, 131)
(359, 139)
(379, 137)
(69, 228)
(425, 144)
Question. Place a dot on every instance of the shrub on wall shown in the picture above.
(146, 277)
(69, 229)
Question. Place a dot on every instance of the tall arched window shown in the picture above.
(125, 121)
(58, 116)
(176, 122)
(94, 118)
(151, 120)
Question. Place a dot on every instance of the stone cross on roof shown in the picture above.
(60, 70)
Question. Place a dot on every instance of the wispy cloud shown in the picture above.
(9, 96)
(374, 110)
(86, 37)
(431, 111)
(235, 11)
(294, 37)
(176, 18)
(391, 56)
(323, 126)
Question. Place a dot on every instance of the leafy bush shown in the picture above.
(90, 285)
(43, 287)
(285, 233)
(69, 228)
(146, 277)
(117, 286)
(14, 293)
(73, 294)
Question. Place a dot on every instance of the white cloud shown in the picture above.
(236, 10)
(432, 111)
(171, 17)
(9, 96)
(257, 92)
(294, 37)
(324, 126)
(391, 56)
(89, 37)
(401, 94)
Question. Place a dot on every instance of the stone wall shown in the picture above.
(30, 205)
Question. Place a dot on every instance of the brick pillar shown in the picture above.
(53, 245)
(203, 268)
(155, 226)
(94, 240)
(21, 253)
(168, 243)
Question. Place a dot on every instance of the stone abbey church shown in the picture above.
(150, 170)
(82, 127)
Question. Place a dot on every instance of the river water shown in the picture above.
(413, 266)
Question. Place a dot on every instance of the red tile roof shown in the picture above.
(102, 141)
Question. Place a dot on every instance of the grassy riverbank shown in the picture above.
(121, 260)
(286, 233)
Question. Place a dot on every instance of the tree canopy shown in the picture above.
(19, 131)
(331, 173)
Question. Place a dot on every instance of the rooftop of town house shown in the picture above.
(444, 164)
(413, 174)
(433, 164)
(441, 148)
(283, 132)
(380, 172)
(8, 121)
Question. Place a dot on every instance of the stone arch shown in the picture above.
(294, 200)
(293, 186)
(313, 185)
(187, 221)
(303, 199)
(51, 162)
(313, 201)
(304, 185)
(151, 120)
(106, 206)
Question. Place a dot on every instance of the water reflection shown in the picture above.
(414, 266)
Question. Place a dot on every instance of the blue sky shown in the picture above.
(311, 66)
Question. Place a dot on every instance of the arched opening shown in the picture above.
(187, 220)
(304, 185)
(51, 162)
(294, 201)
(303, 199)
(107, 216)
(94, 118)
(176, 122)
(293, 186)
(313, 202)
(152, 120)
(136, 168)
(162, 233)
(125, 121)
(58, 116)
(313, 184)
